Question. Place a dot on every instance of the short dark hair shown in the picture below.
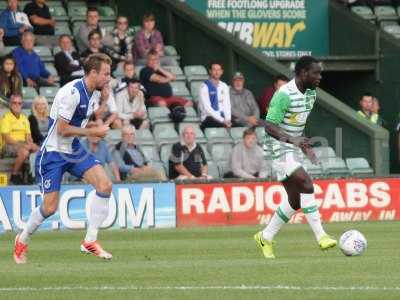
(91, 8)
(280, 77)
(64, 36)
(122, 16)
(128, 62)
(304, 64)
(249, 131)
(152, 52)
(94, 61)
(132, 81)
(367, 94)
(215, 63)
(93, 32)
(148, 16)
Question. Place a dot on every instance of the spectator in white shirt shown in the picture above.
(107, 111)
(214, 100)
(131, 107)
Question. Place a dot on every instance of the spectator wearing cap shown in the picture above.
(14, 23)
(214, 100)
(247, 158)
(156, 80)
(245, 110)
(187, 159)
(267, 94)
(130, 105)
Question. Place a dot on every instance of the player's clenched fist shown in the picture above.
(99, 131)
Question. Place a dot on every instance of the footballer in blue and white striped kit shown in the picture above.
(62, 152)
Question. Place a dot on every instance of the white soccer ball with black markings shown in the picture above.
(352, 243)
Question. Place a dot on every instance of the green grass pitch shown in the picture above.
(204, 263)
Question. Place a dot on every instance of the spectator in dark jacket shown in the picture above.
(14, 23)
(156, 81)
(67, 61)
(96, 46)
(187, 159)
(268, 92)
(42, 22)
(123, 38)
(30, 65)
(39, 119)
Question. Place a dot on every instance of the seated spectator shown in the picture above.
(263, 102)
(214, 100)
(245, 110)
(100, 150)
(247, 158)
(14, 23)
(10, 79)
(107, 112)
(92, 23)
(131, 160)
(17, 137)
(366, 104)
(375, 108)
(2, 48)
(131, 107)
(123, 38)
(156, 82)
(39, 119)
(129, 73)
(187, 160)
(149, 38)
(96, 46)
(67, 61)
(30, 65)
(42, 22)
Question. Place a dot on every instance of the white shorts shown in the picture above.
(287, 164)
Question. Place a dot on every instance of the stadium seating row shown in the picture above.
(386, 16)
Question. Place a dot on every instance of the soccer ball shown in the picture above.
(352, 243)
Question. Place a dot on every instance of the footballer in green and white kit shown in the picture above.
(287, 115)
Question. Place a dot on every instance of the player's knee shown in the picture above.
(307, 186)
(49, 209)
(162, 103)
(105, 187)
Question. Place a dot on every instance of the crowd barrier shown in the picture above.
(158, 205)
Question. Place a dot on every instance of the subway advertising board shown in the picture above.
(277, 28)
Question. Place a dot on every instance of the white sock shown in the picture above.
(35, 219)
(280, 217)
(98, 213)
(310, 209)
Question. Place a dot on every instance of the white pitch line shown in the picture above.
(194, 288)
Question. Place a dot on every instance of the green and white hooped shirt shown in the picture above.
(289, 109)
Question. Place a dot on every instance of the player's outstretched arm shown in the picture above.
(67, 130)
